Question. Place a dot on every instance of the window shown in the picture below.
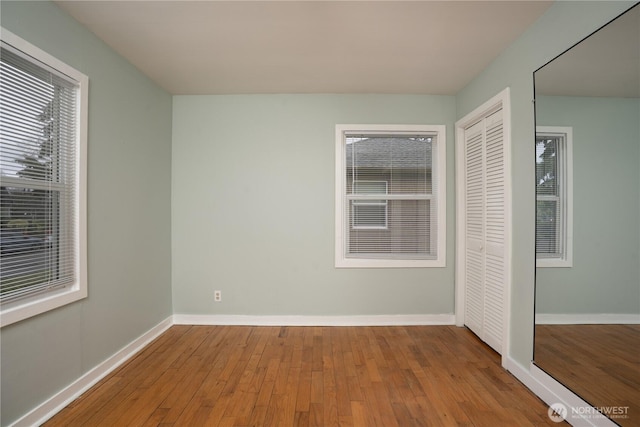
(43, 105)
(554, 197)
(390, 196)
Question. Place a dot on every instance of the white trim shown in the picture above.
(588, 319)
(39, 54)
(23, 309)
(56, 403)
(501, 100)
(461, 241)
(439, 150)
(267, 320)
(551, 391)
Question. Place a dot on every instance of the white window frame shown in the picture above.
(564, 197)
(438, 230)
(371, 202)
(18, 310)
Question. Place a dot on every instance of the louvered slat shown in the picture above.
(485, 229)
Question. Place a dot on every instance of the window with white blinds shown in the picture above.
(390, 196)
(553, 197)
(42, 144)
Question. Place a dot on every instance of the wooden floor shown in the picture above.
(600, 363)
(309, 376)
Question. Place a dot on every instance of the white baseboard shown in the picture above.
(56, 403)
(551, 392)
(588, 319)
(377, 320)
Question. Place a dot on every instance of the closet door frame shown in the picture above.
(501, 100)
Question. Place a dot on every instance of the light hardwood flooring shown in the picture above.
(309, 376)
(600, 363)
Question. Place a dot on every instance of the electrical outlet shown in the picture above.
(217, 296)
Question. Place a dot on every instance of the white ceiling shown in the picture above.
(222, 47)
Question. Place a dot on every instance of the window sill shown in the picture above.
(388, 263)
(553, 263)
(20, 310)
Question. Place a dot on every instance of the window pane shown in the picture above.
(29, 241)
(547, 238)
(388, 228)
(370, 187)
(37, 112)
(404, 163)
(407, 234)
(369, 214)
(547, 166)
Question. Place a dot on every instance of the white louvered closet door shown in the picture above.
(485, 229)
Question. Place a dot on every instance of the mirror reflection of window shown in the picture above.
(554, 222)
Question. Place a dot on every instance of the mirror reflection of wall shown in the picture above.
(588, 217)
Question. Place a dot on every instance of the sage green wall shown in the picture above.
(605, 277)
(252, 202)
(129, 166)
(253, 207)
(564, 24)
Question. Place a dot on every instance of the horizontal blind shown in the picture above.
(389, 197)
(38, 121)
(549, 216)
